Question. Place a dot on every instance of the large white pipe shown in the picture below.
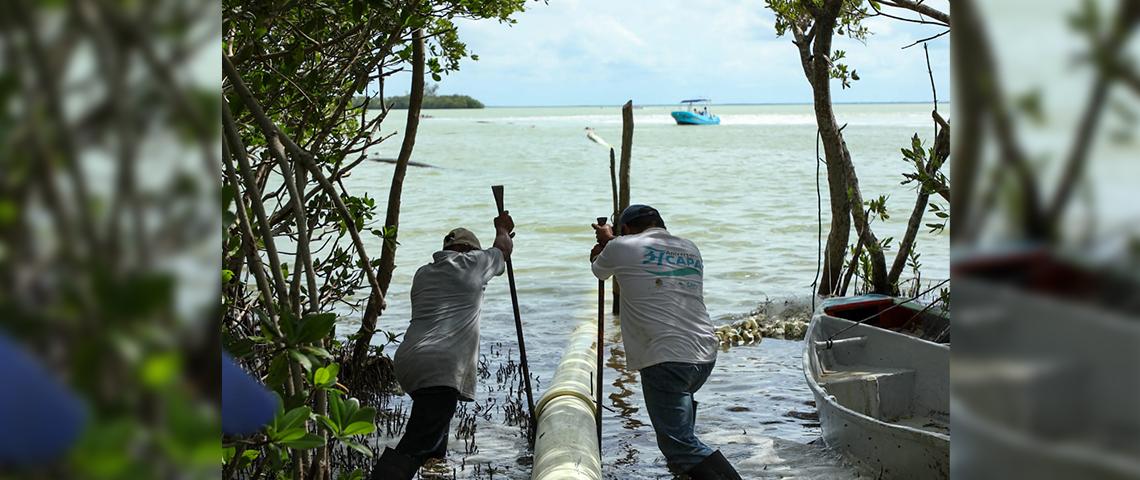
(566, 447)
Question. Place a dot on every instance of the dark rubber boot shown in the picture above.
(714, 467)
(394, 465)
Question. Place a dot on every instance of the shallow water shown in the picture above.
(744, 191)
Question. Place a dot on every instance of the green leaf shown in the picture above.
(317, 352)
(9, 212)
(359, 428)
(315, 327)
(301, 359)
(266, 325)
(326, 376)
(307, 442)
(293, 419)
(288, 323)
(133, 297)
(336, 403)
(278, 371)
(348, 410)
(366, 414)
(161, 369)
(358, 447)
(289, 434)
(329, 424)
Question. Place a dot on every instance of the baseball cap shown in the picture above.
(461, 236)
(634, 212)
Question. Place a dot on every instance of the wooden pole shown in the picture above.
(601, 346)
(614, 185)
(623, 179)
(497, 191)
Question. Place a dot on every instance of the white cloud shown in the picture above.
(656, 51)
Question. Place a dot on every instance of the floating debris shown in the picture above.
(744, 332)
(788, 320)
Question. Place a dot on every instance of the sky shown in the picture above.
(603, 52)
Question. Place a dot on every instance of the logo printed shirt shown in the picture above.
(441, 346)
(663, 315)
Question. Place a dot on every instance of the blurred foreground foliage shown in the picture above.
(1044, 238)
(108, 222)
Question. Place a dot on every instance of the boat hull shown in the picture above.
(876, 395)
(891, 452)
(690, 118)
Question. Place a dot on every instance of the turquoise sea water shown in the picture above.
(743, 191)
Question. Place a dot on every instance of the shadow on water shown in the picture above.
(628, 453)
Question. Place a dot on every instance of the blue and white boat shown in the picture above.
(695, 112)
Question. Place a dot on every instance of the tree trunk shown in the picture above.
(851, 266)
(388, 257)
(817, 68)
(879, 283)
(842, 181)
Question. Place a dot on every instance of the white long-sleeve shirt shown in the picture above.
(663, 315)
(441, 346)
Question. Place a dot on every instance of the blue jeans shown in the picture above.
(669, 389)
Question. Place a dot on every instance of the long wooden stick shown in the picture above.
(623, 182)
(614, 185)
(497, 191)
(601, 346)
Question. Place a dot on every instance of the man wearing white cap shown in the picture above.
(436, 362)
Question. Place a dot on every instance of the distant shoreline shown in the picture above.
(788, 104)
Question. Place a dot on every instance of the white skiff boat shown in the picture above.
(882, 387)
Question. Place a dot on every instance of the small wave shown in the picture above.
(663, 118)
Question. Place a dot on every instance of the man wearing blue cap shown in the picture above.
(666, 330)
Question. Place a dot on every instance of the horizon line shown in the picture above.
(892, 102)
